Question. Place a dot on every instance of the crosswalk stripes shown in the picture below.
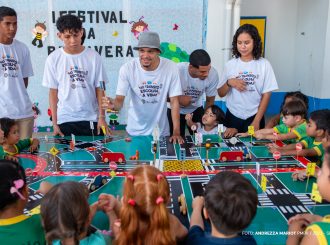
(198, 179)
(212, 161)
(35, 197)
(265, 201)
(273, 191)
(306, 200)
(294, 209)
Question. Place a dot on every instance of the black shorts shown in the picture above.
(81, 128)
(241, 125)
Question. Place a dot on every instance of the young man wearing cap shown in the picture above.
(16, 68)
(197, 78)
(150, 79)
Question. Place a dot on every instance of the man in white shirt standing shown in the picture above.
(15, 70)
(197, 78)
(150, 80)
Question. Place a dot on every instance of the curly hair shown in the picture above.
(69, 23)
(257, 43)
(144, 219)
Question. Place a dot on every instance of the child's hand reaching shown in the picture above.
(188, 117)
(198, 202)
(230, 132)
(243, 134)
(11, 158)
(44, 187)
(299, 175)
(108, 203)
(35, 144)
(259, 135)
(308, 218)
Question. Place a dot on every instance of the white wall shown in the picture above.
(325, 84)
(280, 36)
(216, 27)
(310, 45)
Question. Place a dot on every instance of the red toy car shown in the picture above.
(113, 156)
(231, 156)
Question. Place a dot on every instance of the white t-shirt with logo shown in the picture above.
(76, 78)
(149, 91)
(200, 129)
(259, 77)
(15, 64)
(196, 88)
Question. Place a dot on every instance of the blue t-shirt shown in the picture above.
(93, 239)
(197, 236)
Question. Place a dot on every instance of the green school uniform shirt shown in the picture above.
(299, 131)
(321, 230)
(22, 229)
(21, 145)
(310, 143)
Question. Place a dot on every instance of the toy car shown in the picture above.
(231, 156)
(97, 182)
(113, 156)
(183, 204)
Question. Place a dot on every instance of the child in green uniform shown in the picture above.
(317, 231)
(289, 96)
(312, 143)
(11, 144)
(294, 127)
(15, 226)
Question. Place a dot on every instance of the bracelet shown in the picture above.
(228, 84)
(101, 116)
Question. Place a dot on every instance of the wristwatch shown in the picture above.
(228, 84)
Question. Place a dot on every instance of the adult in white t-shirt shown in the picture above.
(74, 74)
(150, 80)
(247, 81)
(15, 70)
(198, 80)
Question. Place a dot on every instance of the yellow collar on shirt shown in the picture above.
(12, 153)
(13, 220)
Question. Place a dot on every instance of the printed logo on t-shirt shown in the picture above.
(150, 91)
(249, 78)
(192, 91)
(77, 77)
(9, 65)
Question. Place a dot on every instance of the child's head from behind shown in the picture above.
(12, 184)
(230, 202)
(318, 123)
(10, 131)
(294, 112)
(213, 115)
(251, 42)
(65, 211)
(323, 178)
(295, 95)
(70, 30)
(144, 217)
